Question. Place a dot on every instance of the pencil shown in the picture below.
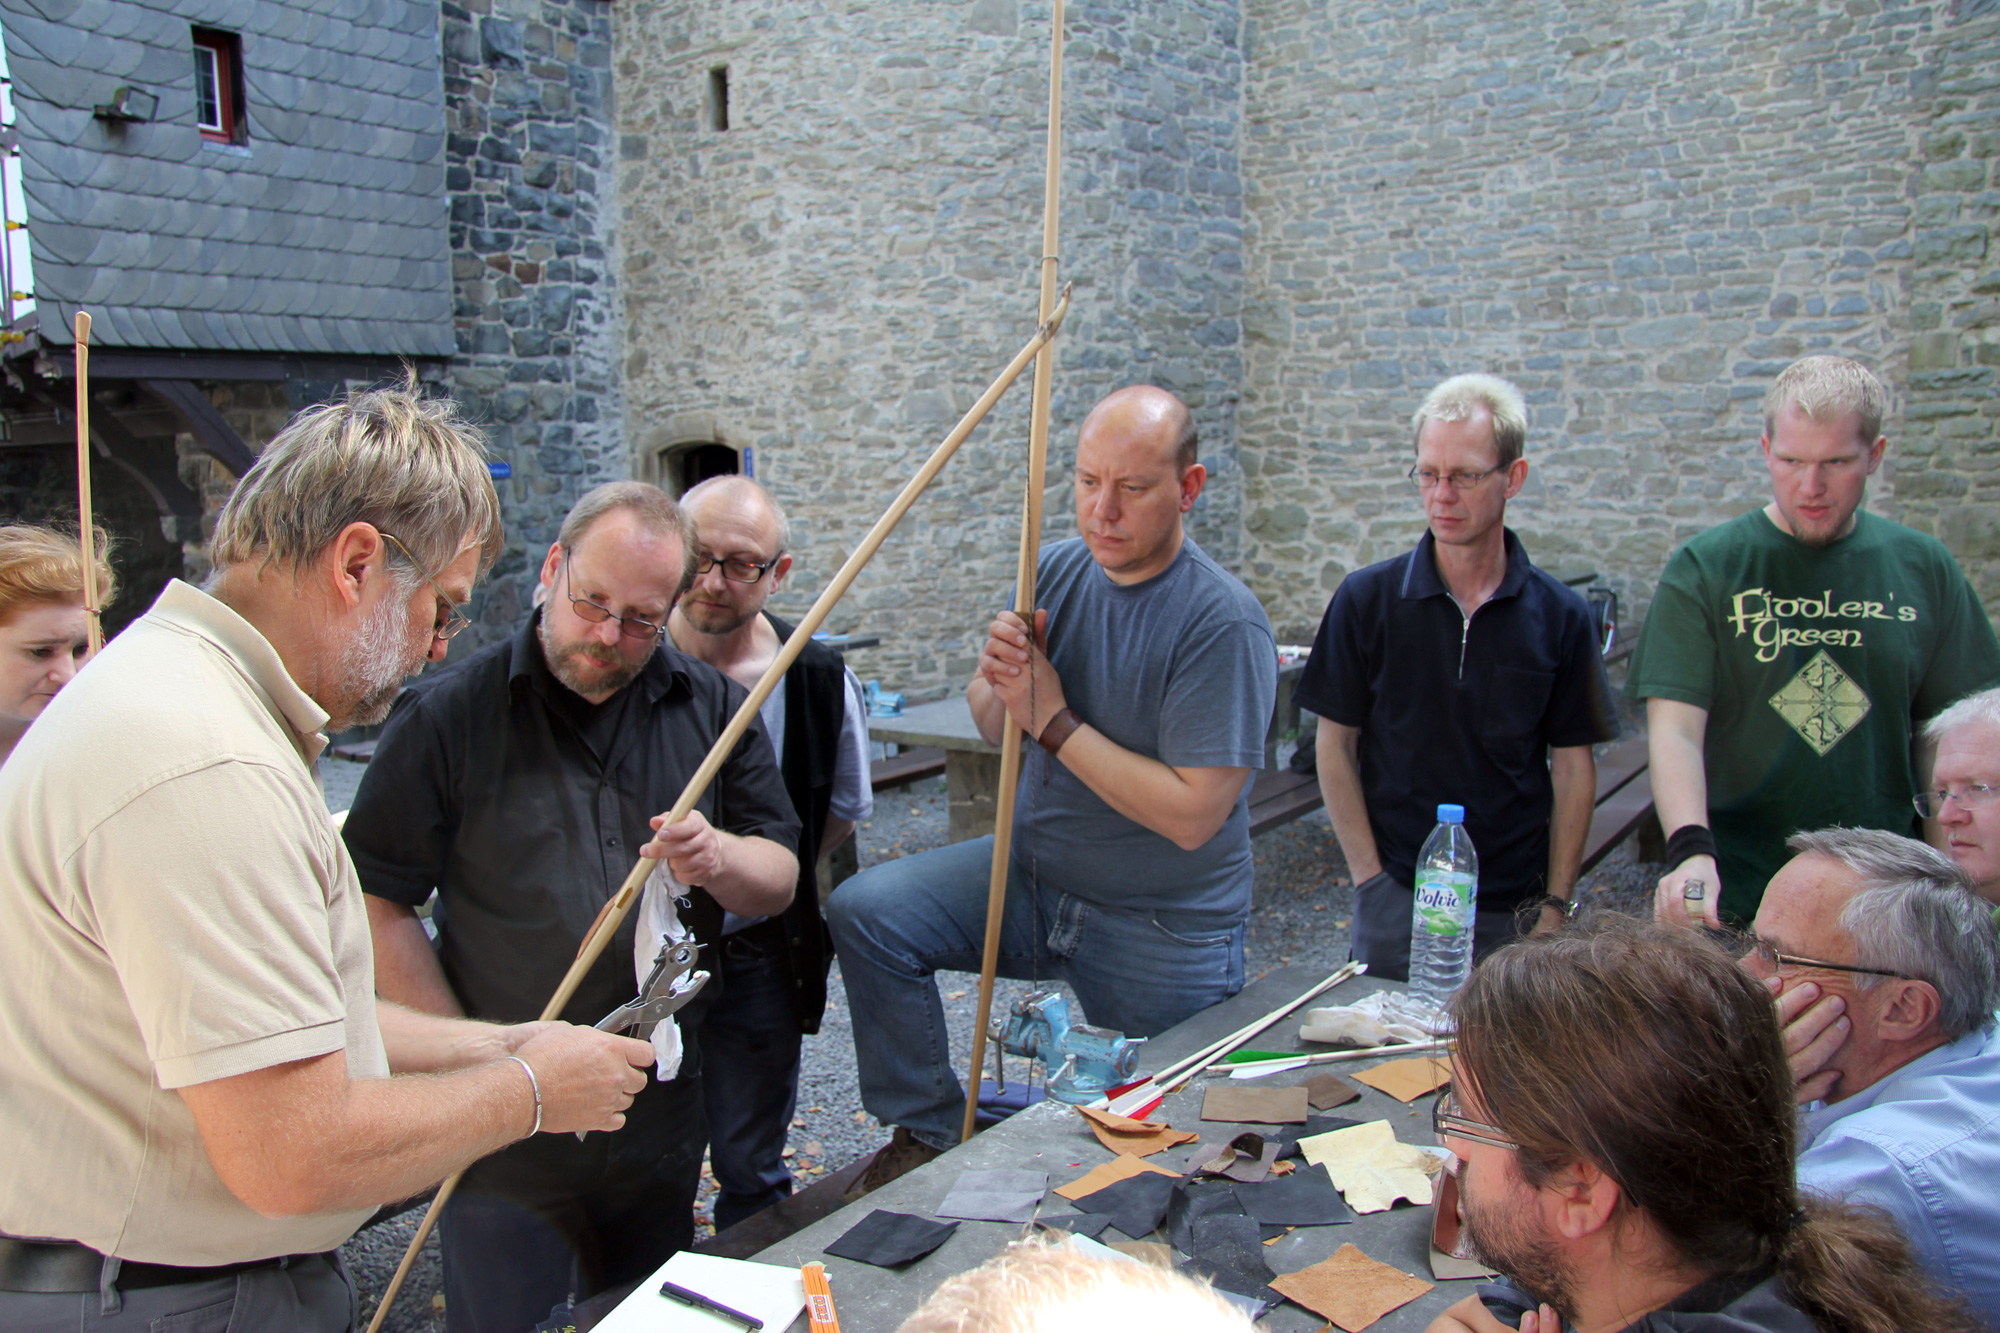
(819, 1299)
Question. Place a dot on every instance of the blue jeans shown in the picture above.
(897, 923)
(750, 1073)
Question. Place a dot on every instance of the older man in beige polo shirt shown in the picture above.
(197, 1105)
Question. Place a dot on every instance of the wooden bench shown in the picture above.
(1624, 799)
(906, 766)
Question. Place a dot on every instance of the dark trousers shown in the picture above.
(750, 1073)
(550, 1219)
(1381, 934)
(307, 1295)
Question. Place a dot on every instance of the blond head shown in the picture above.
(1037, 1287)
(1462, 396)
(43, 565)
(1826, 388)
(405, 464)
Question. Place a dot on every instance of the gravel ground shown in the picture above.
(1303, 904)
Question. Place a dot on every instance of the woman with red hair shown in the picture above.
(44, 628)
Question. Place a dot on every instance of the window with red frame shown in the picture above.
(218, 85)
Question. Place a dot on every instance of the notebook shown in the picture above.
(768, 1292)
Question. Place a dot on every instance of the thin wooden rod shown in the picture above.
(613, 913)
(86, 528)
(1024, 580)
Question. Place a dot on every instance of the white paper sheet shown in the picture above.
(771, 1293)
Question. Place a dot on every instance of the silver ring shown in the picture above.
(1694, 890)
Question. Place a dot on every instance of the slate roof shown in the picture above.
(324, 233)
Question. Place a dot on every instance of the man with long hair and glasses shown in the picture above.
(1887, 972)
(520, 787)
(1624, 1126)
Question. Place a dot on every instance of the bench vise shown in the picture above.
(1085, 1061)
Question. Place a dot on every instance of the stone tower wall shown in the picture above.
(832, 280)
(1640, 213)
(528, 112)
(1948, 474)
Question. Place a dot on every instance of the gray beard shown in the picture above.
(376, 666)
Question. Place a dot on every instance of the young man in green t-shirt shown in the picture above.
(1791, 655)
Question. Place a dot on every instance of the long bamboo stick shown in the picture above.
(613, 912)
(86, 529)
(1024, 579)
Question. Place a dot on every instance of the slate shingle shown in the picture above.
(328, 235)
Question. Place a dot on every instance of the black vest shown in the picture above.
(815, 711)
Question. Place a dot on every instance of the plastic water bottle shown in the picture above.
(1441, 922)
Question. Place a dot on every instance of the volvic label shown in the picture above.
(1442, 899)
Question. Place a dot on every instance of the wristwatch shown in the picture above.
(1569, 907)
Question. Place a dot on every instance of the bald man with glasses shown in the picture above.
(520, 787)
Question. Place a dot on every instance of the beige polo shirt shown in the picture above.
(175, 908)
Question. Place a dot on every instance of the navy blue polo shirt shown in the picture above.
(1460, 710)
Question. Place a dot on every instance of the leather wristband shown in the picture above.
(1690, 840)
(1060, 728)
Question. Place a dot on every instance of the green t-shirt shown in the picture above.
(1817, 665)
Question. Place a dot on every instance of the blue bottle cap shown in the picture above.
(1451, 814)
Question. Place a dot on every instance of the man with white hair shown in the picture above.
(199, 1106)
(1790, 654)
(1965, 779)
(1459, 673)
(1887, 971)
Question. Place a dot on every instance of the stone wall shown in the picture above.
(1948, 474)
(528, 107)
(833, 279)
(1639, 213)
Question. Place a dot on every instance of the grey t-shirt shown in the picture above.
(1182, 668)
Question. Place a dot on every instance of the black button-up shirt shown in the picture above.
(487, 784)
(1460, 710)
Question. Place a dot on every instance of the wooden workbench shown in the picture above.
(1052, 1137)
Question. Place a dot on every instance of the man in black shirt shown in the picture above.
(1459, 674)
(520, 786)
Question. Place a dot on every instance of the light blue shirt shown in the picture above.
(1924, 1144)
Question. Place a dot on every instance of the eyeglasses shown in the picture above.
(1427, 479)
(597, 613)
(736, 569)
(451, 623)
(1445, 1120)
(1771, 959)
(630, 627)
(1967, 796)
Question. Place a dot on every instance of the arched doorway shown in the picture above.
(683, 466)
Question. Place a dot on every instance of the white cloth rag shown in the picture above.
(1374, 1020)
(660, 924)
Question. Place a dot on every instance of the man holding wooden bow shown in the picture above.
(1150, 694)
(519, 786)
